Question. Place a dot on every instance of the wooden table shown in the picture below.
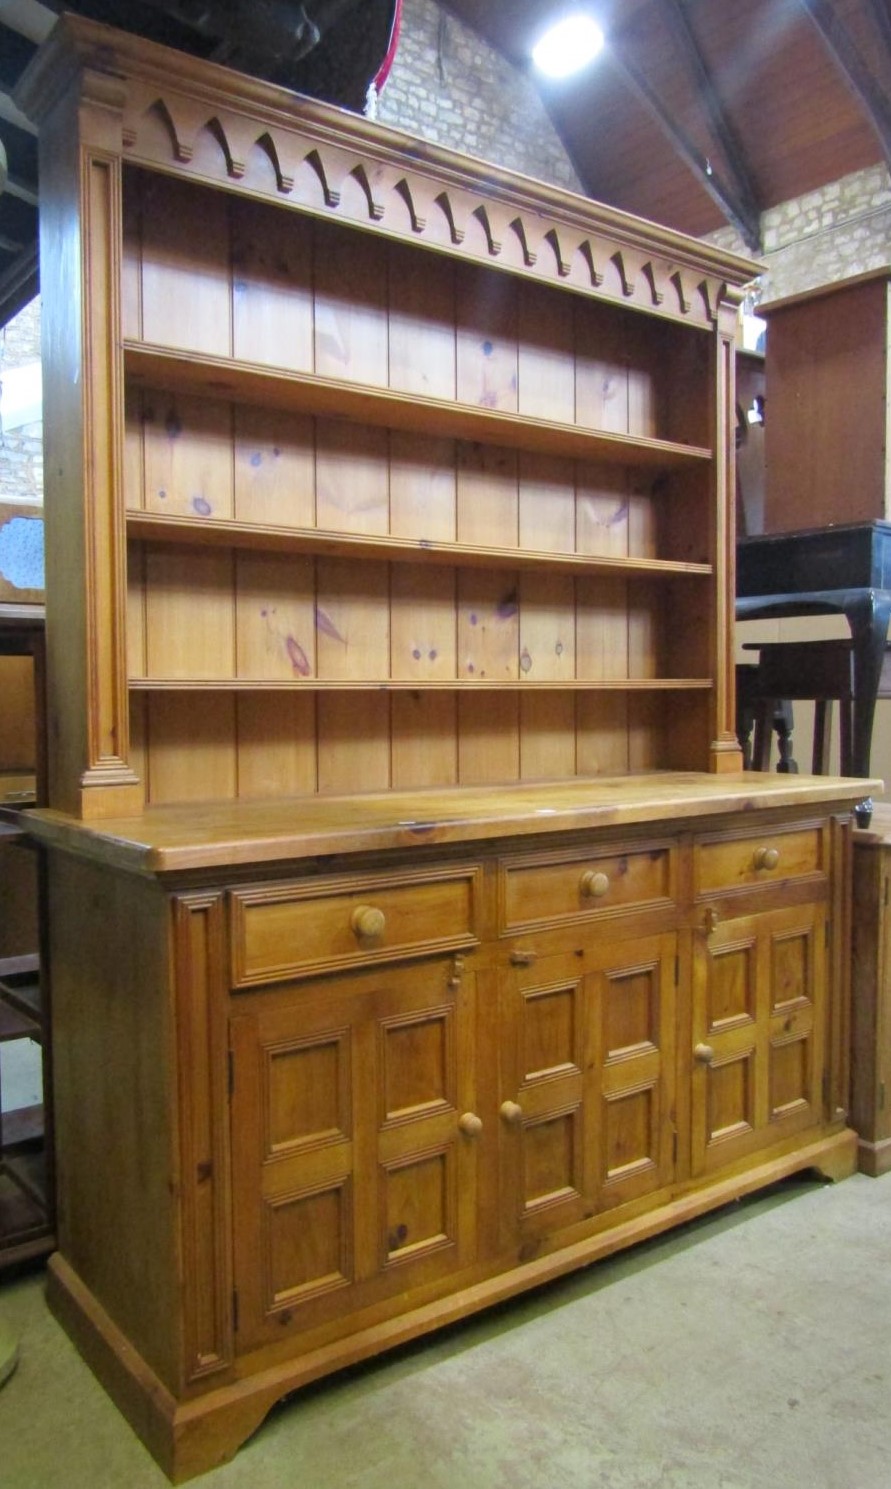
(836, 570)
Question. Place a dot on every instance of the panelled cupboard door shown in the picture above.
(632, 1055)
(354, 1143)
(759, 1010)
(587, 1064)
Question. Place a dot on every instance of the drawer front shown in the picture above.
(551, 890)
(759, 860)
(280, 931)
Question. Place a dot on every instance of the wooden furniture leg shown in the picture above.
(821, 671)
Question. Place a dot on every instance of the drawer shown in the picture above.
(759, 859)
(281, 931)
(552, 889)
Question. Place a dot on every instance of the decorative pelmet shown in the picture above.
(168, 130)
(208, 123)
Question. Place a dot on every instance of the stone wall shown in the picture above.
(450, 86)
(20, 340)
(841, 230)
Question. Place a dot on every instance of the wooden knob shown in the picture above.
(512, 1112)
(703, 1054)
(766, 858)
(368, 922)
(470, 1124)
(594, 884)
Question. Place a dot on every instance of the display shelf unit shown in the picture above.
(385, 420)
(415, 933)
(403, 404)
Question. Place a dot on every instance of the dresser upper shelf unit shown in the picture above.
(385, 466)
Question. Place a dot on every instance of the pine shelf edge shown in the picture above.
(166, 369)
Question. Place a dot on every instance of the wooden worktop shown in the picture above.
(177, 839)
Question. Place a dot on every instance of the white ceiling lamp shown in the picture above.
(568, 45)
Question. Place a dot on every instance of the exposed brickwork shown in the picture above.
(450, 86)
(21, 464)
(826, 235)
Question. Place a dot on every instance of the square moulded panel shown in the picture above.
(630, 1133)
(550, 1160)
(307, 1250)
(418, 1211)
(792, 974)
(418, 1064)
(789, 1078)
(731, 1097)
(631, 1012)
(307, 1098)
(550, 1032)
(731, 985)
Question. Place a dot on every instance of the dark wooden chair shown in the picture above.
(748, 707)
(791, 671)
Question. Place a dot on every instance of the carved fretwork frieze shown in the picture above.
(168, 131)
(206, 123)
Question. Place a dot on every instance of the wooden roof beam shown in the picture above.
(739, 214)
(856, 73)
(725, 136)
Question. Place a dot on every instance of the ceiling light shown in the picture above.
(567, 46)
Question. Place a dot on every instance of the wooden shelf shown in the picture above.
(216, 533)
(247, 382)
(416, 685)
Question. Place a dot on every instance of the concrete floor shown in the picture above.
(749, 1350)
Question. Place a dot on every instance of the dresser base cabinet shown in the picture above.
(282, 1152)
